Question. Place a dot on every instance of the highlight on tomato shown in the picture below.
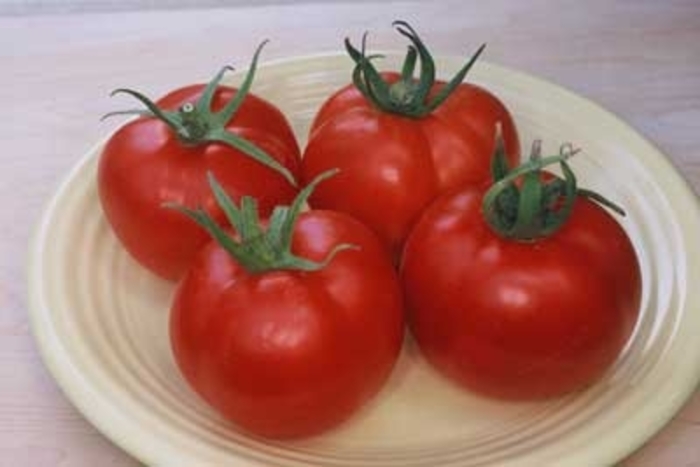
(527, 289)
(400, 139)
(289, 326)
(165, 154)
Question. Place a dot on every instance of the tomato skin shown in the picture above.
(519, 320)
(393, 166)
(286, 354)
(144, 165)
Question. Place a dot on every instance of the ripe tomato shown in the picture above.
(521, 317)
(164, 157)
(400, 141)
(293, 347)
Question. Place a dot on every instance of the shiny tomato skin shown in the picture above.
(287, 354)
(392, 166)
(519, 320)
(144, 165)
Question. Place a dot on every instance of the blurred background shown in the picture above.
(32, 7)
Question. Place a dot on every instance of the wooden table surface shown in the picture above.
(639, 59)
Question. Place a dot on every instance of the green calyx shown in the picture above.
(524, 204)
(410, 95)
(195, 123)
(258, 249)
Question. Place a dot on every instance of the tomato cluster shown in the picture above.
(515, 282)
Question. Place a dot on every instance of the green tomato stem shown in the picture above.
(408, 96)
(259, 250)
(196, 123)
(524, 205)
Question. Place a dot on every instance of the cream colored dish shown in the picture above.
(101, 320)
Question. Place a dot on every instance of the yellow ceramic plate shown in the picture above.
(101, 320)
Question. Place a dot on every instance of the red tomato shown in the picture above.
(290, 353)
(519, 319)
(145, 164)
(395, 159)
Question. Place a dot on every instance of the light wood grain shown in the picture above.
(639, 59)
